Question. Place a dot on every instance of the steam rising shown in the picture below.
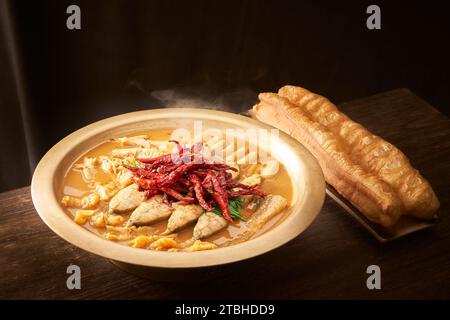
(235, 101)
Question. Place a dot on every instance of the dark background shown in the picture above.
(132, 55)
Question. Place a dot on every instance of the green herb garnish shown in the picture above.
(235, 207)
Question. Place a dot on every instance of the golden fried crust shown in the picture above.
(366, 191)
(372, 153)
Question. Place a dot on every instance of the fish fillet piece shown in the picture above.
(150, 211)
(183, 215)
(371, 152)
(208, 224)
(269, 207)
(371, 195)
(126, 199)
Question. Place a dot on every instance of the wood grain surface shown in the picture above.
(329, 260)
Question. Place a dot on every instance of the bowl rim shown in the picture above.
(44, 196)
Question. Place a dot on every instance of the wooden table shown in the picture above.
(329, 260)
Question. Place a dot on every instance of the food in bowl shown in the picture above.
(147, 191)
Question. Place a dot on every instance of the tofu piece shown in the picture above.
(234, 174)
(151, 152)
(253, 180)
(253, 168)
(138, 141)
(208, 224)
(270, 169)
(126, 199)
(165, 147)
(150, 211)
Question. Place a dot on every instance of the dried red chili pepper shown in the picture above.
(160, 159)
(220, 196)
(166, 200)
(244, 192)
(142, 172)
(177, 173)
(199, 192)
(164, 168)
(150, 193)
(176, 194)
(185, 182)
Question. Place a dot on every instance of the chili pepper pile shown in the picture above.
(185, 176)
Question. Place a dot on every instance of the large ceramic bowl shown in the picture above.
(307, 182)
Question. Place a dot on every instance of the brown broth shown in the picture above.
(75, 185)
